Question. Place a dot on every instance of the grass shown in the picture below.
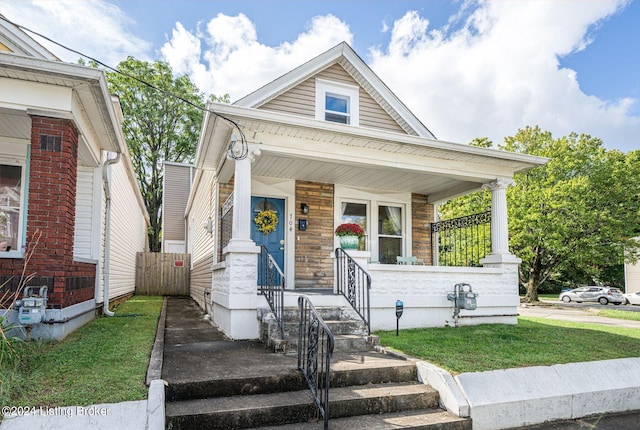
(532, 342)
(622, 315)
(104, 361)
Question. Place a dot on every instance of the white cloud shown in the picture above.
(226, 57)
(500, 72)
(491, 69)
(93, 27)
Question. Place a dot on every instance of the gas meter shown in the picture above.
(462, 297)
(32, 307)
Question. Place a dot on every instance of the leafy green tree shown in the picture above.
(578, 211)
(162, 119)
(570, 220)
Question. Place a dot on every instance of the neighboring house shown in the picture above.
(329, 143)
(176, 185)
(65, 174)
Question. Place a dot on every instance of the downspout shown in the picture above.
(107, 231)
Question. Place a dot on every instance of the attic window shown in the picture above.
(336, 102)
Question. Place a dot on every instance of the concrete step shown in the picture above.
(291, 328)
(297, 406)
(430, 419)
(346, 369)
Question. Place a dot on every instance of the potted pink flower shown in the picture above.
(349, 234)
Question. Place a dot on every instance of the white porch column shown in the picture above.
(241, 229)
(499, 223)
(236, 298)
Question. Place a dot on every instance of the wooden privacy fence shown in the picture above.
(162, 274)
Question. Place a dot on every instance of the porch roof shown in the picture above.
(90, 105)
(294, 147)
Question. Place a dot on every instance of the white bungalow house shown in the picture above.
(329, 143)
(71, 213)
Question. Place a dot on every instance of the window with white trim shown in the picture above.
(390, 234)
(13, 168)
(337, 102)
(385, 219)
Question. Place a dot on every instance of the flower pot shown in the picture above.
(349, 242)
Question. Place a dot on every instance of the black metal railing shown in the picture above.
(315, 349)
(271, 285)
(462, 241)
(226, 225)
(354, 283)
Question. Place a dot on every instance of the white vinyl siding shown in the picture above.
(202, 243)
(176, 188)
(301, 99)
(128, 232)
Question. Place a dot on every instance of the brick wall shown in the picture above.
(421, 218)
(314, 264)
(51, 216)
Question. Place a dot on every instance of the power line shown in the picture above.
(231, 150)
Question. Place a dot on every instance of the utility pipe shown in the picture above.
(107, 231)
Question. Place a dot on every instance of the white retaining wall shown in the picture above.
(423, 290)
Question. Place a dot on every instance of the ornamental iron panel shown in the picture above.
(226, 225)
(354, 283)
(315, 349)
(463, 241)
(271, 285)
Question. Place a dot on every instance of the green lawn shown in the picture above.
(532, 342)
(104, 361)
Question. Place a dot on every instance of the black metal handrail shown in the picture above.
(271, 285)
(354, 283)
(315, 349)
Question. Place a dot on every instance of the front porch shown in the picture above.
(309, 262)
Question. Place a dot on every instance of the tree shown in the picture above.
(569, 220)
(158, 126)
(579, 211)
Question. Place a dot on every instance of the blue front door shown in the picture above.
(274, 241)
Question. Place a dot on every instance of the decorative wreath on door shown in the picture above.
(266, 220)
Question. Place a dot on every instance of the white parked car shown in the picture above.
(632, 298)
(602, 295)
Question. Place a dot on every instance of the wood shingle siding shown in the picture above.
(314, 264)
(300, 100)
(421, 218)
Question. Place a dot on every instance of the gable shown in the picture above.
(386, 104)
(300, 100)
(16, 41)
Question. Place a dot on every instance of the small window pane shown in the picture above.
(355, 213)
(389, 221)
(333, 117)
(389, 248)
(337, 103)
(10, 201)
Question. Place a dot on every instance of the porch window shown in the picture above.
(356, 213)
(11, 208)
(337, 102)
(389, 234)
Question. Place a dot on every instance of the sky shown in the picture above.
(465, 68)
